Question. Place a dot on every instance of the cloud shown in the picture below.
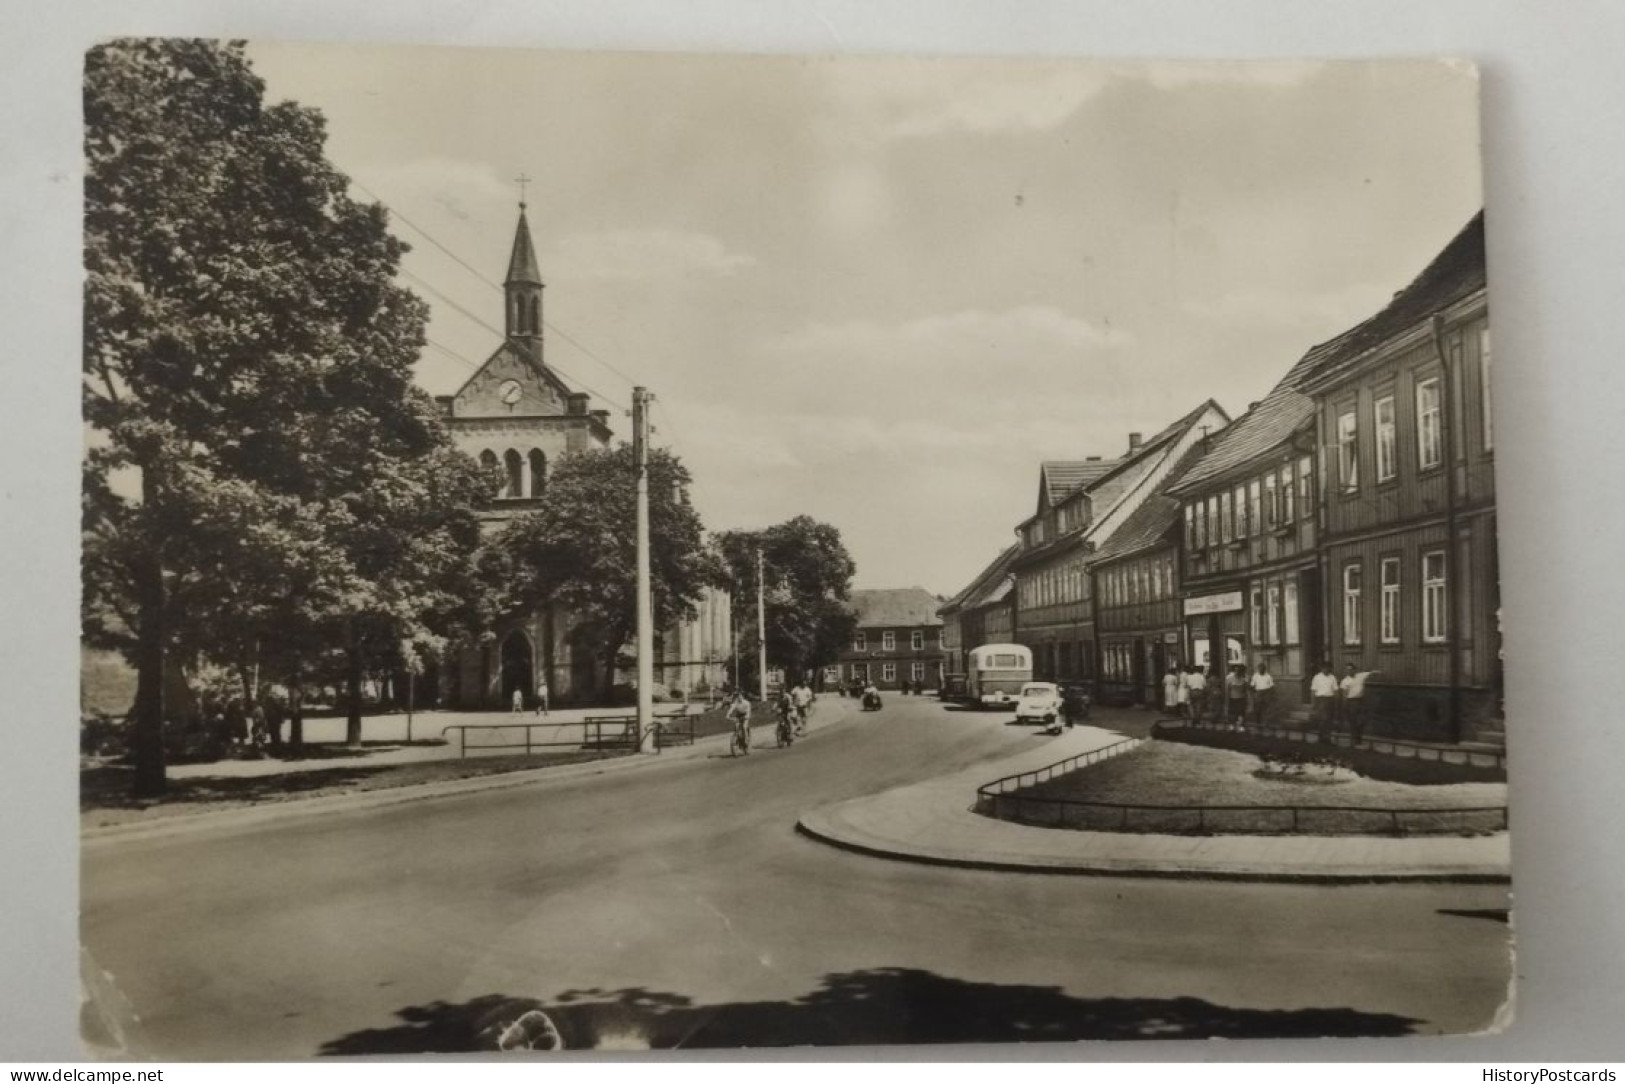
(642, 254)
(1026, 330)
(1260, 306)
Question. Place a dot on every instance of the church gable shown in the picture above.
(510, 385)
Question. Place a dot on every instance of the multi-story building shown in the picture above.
(1137, 601)
(1403, 410)
(898, 638)
(965, 616)
(1250, 567)
(1081, 505)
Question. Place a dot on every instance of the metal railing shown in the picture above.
(594, 732)
(997, 800)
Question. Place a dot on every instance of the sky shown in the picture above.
(881, 290)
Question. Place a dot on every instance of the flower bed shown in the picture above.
(1167, 787)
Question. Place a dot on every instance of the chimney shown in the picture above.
(1133, 443)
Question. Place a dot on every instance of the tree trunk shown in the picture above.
(148, 740)
(352, 693)
(296, 714)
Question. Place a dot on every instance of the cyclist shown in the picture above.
(803, 698)
(786, 725)
(739, 715)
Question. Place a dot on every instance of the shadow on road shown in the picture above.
(879, 1006)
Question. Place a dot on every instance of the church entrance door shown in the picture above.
(518, 669)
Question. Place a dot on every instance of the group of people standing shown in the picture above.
(1236, 696)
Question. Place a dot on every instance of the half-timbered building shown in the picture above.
(1404, 413)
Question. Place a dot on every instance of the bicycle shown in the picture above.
(739, 744)
(785, 731)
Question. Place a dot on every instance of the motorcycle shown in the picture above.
(871, 701)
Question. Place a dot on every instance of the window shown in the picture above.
(516, 474)
(1256, 616)
(1429, 443)
(1484, 387)
(1227, 517)
(1289, 502)
(860, 671)
(1255, 508)
(917, 672)
(1289, 608)
(1272, 515)
(1348, 450)
(888, 641)
(1390, 600)
(916, 640)
(1434, 624)
(1190, 527)
(888, 672)
(1239, 512)
(538, 472)
(1272, 613)
(1201, 525)
(860, 641)
(832, 673)
(1306, 485)
(1352, 576)
(1213, 521)
(1386, 457)
(488, 460)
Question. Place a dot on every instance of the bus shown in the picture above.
(995, 674)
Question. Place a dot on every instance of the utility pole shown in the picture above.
(761, 629)
(646, 679)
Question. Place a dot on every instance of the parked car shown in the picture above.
(1040, 702)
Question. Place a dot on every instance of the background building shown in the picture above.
(898, 638)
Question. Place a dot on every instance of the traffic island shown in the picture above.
(935, 822)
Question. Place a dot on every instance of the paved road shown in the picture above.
(675, 905)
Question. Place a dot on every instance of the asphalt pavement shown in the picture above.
(675, 905)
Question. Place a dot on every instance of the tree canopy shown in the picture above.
(261, 469)
(580, 548)
(807, 575)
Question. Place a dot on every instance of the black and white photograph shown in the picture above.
(612, 551)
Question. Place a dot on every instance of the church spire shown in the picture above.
(523, 286)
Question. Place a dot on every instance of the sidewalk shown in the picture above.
(934, 822)
(828, 713)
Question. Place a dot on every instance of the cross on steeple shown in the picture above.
(523, 181)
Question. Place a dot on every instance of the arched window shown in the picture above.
(535, 314)
(516, 475)
(488, 460)
(538, 472)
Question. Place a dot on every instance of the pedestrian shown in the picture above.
(1353, 689)
(541, 697)
(1235, 694)
(1170, 691)
(1183, 692)
(1074, 705)
(1196, 682)
(1323, 701)
(518, 701)
(802, 697)
(1263, 687)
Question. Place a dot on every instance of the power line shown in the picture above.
(471, 269)
(501, 334)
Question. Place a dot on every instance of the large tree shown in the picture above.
(807, 578)
(246, 372)
(580, 549)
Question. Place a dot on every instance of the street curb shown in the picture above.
(294, 808)
(808, 826)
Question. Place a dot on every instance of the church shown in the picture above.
(517, 414)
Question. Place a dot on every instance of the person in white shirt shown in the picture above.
(1196, 681)
(1263, 694)
(1353, 689)
(1323, 700)
(1170, 691)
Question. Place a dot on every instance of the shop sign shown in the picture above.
(1213, 604)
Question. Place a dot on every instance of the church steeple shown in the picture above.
(523, 288)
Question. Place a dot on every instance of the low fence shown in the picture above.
(1004, 799)
(1400, 748)
(607, 733)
